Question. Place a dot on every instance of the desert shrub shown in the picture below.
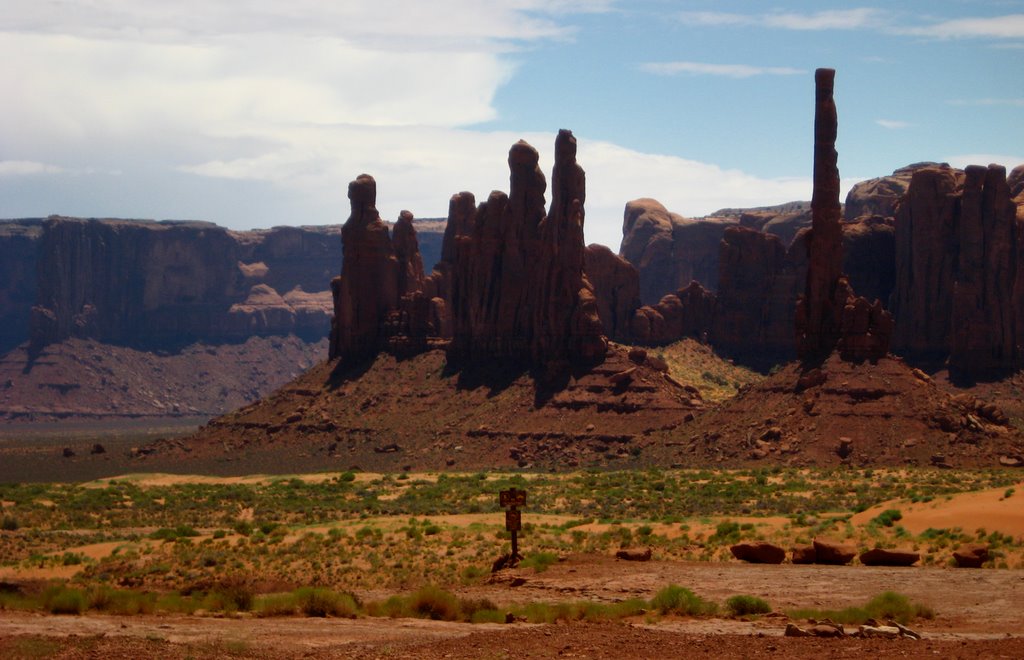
(726, 531)
(121, 601)
(470, 606)
(888, 517)
(743, 605)
(233, 593)
(674, 599)
(539, 561)
(435, 603)
(322, 602)
(347, 477)
(59, 599)
(243, 528)
(276, 605)
(893, 605)
(487, 616)
(887, 605)
(10, 524)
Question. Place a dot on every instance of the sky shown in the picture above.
(259, 113)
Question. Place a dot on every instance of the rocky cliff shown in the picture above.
(19, 245)
(165, 284)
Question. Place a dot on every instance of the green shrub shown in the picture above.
(539, 561)
(435, 603)
(888, 517)
(674, 599)
(243, 528)
(892, 605)
(59, 599)
(10, 524)
(744, 605)
(322, 602)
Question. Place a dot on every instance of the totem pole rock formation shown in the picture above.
(518, 292)
(379, 293)
(829, 315)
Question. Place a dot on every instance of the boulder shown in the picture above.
(803, 554)
(971, 555)
(634, 554)
(827, 551)
(888, 557)
(758, 552)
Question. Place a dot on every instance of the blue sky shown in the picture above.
(259, 115)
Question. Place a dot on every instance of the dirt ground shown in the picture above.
(979, 613)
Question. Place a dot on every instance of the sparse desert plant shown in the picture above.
(743, 605)
(433, 602)
(675, 599)
(60, 599)
(322, 602)
(9, 524)
(888, 517)
(539, 561)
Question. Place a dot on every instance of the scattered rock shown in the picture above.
(758, 552)
(886, 557)
(634, 554)
(68, 452)
(971, 555)
(832, 552)
(98, 449)
(803, 554)
(1011, 461)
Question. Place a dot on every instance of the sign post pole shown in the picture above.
(512, 499)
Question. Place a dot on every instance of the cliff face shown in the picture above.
(163, 284)
(19, 247)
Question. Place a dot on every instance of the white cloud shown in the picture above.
(963, 160)
(727, 70)
(395, 24)
(995, 27)
(987, 102)
(843, 19)
(892, 124)
(22, 167)
(419, 169)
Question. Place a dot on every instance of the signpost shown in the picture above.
(511, 499)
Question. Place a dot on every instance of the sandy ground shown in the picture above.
(979, 613)
(990, 510)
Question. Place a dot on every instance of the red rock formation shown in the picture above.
(820, 324)
(819, 315)
(407, 251)
(869, 256)
(756, 294)
(922, 298)
(984, 332)
(19, 247)
(881, 196)
(670, 251)
(518, 292)
(617, 289)
(367, 289)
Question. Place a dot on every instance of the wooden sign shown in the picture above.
(512, 497)
(513, 520)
